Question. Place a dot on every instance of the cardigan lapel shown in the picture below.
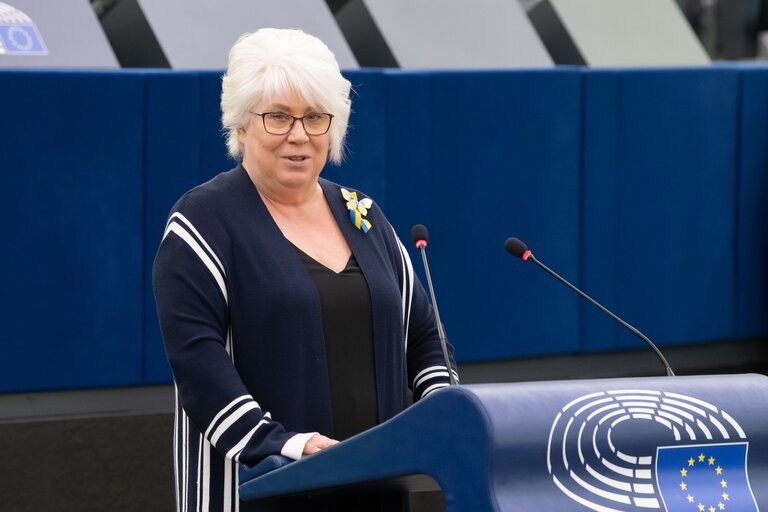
(288, 267)
(363, 245)
(370, 252)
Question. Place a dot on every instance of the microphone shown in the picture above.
(517, 248)
(419, 235)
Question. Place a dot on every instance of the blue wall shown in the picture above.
(645, 187)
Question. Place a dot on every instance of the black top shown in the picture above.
(348, 328)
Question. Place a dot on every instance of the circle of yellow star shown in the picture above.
(723, 483)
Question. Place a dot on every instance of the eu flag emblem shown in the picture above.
(704, 478)
(21, 39)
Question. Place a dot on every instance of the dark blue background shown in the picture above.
(645, 187)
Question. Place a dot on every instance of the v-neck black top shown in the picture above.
(348, 328)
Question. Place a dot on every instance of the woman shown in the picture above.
(289, 309)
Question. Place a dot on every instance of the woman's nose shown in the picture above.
(298, 133)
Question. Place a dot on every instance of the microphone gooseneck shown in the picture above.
(517, 248)
(420, 235)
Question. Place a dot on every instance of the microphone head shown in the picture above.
(516, 247)
(419, 235)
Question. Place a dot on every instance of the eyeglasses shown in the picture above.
(280, 123)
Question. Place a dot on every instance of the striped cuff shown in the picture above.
(434, 387)
(294, 447)
(430, 379)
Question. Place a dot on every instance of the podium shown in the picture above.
(636, 444)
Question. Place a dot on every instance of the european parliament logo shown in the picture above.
(634, 449)
(19, 34)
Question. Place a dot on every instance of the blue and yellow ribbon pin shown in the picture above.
(357, 210)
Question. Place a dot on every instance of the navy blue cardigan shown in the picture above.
(241, 320)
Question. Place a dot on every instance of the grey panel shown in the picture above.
(560, 44)
(363, 35)
(458, 34)
(60, 33)
(617, 33)
(197, 34)
(131, 37)
(528, 4)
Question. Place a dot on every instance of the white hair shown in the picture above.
(274, 62)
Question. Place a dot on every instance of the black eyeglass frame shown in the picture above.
(264, 122)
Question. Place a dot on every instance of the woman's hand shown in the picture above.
(318, 442)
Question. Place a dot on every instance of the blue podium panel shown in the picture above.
(612, 445)
(485, 156)
(184, 148)
(752, 216)
(71, 205)
(673, 184)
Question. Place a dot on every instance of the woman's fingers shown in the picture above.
(318, 442)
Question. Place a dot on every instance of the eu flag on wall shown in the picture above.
(21, 39)
(705, 478)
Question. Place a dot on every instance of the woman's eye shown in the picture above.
(278, 116)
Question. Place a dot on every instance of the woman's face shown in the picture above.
(293, 160)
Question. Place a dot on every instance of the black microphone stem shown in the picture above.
(604, 310)
(440, 331)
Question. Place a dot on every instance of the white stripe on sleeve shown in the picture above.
(198, 235)
(234, 453)
(429, 369)
(224, 411)
(182, 233)
(434, 387)
(231, 419)
(442, 373)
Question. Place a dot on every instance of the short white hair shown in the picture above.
(274, 62)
